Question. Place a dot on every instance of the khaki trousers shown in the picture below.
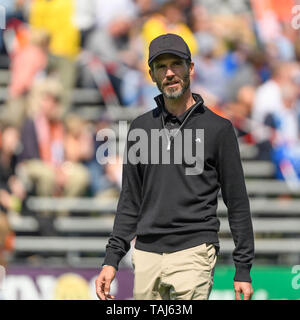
(181, 275)
(38, 172)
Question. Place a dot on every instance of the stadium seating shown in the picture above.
(83, 235)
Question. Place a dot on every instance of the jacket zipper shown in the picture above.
(170, 137)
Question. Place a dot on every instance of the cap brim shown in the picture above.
(175, 52)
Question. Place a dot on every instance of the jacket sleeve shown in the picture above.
(29, 142)
(231, 177)
(124, 229)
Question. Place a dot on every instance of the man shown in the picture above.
(170, 207)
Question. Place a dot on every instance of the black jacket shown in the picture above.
(169, 210)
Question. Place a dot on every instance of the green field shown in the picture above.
(269, 282)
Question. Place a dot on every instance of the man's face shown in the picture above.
(172, 75)
(50, 106)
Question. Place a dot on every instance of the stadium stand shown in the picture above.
(80, 238)
(274, 207)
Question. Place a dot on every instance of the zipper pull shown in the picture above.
(169, 143)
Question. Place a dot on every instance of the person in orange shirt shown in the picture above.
(44, 162)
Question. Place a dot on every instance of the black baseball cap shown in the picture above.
(168, 43)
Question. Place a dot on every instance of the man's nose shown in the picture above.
(170, 73)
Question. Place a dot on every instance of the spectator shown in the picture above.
(282, 46)
(209, 74)
(78, 148)
(113, 21)
(245, 74)
(107, 41)
(57, 17)
(12, 192)
(286, 134)
(12, 11)
(115, 16)
(104, 183)
(239, 112)
(27, 64)
(114, 172)
(168, 19)
(6, 238)
(268, 99)
(46, 161)
(186, 7)
(202, 27)
(85, 19)
(133, 80)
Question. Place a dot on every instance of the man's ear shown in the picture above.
(151, 75)
(192, 69)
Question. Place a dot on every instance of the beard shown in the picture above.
(175, 93)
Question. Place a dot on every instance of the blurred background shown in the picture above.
(69, 68)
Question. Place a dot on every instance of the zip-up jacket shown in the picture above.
(172, 205)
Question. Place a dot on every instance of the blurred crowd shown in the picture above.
(243, 73)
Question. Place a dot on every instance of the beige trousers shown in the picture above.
(38, 172)
(181, 275)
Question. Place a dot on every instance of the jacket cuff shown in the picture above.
(242, 272)
(111, 260)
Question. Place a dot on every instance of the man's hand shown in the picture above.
(243, 287)
(105, 278)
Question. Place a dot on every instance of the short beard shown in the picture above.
(176, 94)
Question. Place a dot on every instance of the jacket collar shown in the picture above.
(161, 106)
